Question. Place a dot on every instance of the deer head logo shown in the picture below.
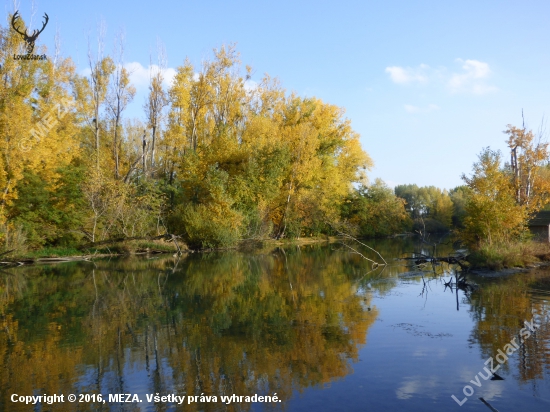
(32, 38)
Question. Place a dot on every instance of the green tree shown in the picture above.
(459, 196)
(374, 210)
(50, 212)
(430, 207)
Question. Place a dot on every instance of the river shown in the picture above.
(302, 327)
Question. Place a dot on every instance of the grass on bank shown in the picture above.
(508, 255)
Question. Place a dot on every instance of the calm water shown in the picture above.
(312, 324)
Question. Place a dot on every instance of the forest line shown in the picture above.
(217, 160)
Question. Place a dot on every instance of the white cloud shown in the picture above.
(404, 75)
(250, 85)
(472, 79)
(140, 75)
(419, 385)
(416, 109)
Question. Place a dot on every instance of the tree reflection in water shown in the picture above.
(216, 324)
(263, 322)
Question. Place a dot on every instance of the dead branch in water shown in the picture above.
(488, 405)
(360, 254)
(345, 235)
(460, 260)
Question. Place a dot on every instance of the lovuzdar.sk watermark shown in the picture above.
(29, 57)
(501, 357)
(29, 39)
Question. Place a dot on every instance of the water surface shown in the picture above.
(314, 325)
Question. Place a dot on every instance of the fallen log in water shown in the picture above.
(458, 260)
(425, 259)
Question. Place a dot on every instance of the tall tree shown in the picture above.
(37, 127)
(93, 91)
(18, 78)
(528, 156)
(121, 93)
(157, 100)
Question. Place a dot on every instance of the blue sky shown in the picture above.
(427, 84)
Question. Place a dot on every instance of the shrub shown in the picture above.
(12, 238)
(506, 255)
(204, 227)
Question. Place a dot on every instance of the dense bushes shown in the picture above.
(375, 211)
(216, 161)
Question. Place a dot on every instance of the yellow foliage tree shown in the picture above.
(37, 120)
(527, 160)
(493, 214)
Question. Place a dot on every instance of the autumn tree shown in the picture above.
(254, 155)
(501, 199)
(325, 159)
(120, 94)
(236, 159)
(375, 210)
(493, 214)
(156, 101)
(91, 94)
(16, 116)
(176, 140)
(430, 207)
(528, 156)
(38, 142)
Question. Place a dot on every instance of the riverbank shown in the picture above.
(487, 262)
(140, 247)
(498, 257)
(67, 254)
(488, 273)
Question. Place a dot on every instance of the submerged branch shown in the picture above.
(488, 405)
(345, 235)
(360, 254)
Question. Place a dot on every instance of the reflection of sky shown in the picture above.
(417, 355)
(135, 379)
